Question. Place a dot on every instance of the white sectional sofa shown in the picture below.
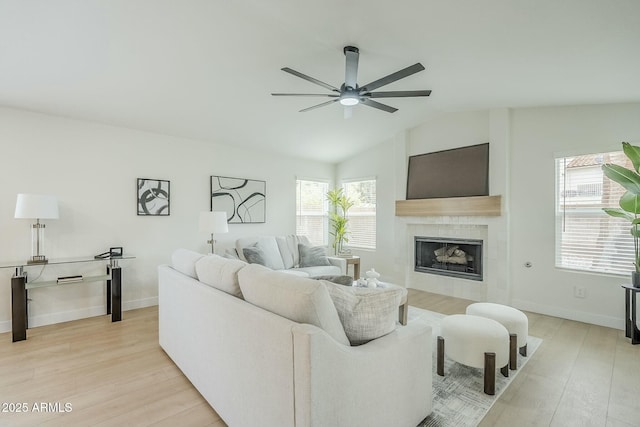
(259, 368)
(283, 253)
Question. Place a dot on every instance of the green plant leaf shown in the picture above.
(633, 153)
(635, 231)
(619, 213)
(629, 179)
(630, 202)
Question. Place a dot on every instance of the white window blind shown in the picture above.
(587, 238)
(362, 216)
(311, 210)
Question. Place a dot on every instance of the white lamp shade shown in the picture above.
(36, 206)
(214, 222)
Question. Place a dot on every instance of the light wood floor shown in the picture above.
(115, 374)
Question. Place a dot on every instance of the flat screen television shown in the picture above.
(459, 172)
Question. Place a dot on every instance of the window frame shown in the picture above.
(324, 214)
(611, 253)
(372, 236)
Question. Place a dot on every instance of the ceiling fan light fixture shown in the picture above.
(349, 100)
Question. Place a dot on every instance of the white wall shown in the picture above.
(523, 143)
(537, 134)
(377, 163)
(92, 169)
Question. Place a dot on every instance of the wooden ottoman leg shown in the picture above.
(505, 370)
(440, 357)
(523, 350)
(513, 351)
(402, 313)
(490, 373)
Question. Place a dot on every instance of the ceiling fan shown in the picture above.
(351, 94)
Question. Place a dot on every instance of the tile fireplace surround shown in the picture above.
(493, 287)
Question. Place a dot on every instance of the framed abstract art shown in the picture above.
(244, 200)
(153, 197)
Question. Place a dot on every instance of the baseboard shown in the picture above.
(5, 326)
(579, 316)
(139, 303)
(66, 316)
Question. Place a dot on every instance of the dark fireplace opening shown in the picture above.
(449, 257)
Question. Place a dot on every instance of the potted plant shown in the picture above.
(630, 201)
(340, 205)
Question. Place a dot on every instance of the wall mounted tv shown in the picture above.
(459, 172)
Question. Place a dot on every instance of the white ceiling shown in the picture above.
(205, 68)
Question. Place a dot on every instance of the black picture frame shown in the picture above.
(244, 200)
(153, 197)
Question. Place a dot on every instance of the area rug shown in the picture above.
(458, 397)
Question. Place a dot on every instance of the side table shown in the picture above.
(355, 261)
(631, 325)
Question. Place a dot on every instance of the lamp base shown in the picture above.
(38, 259)
(212, 243)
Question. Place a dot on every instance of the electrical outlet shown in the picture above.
(579, 292)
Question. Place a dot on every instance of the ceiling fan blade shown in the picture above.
(377, 105)
(405, 72)
(399, 94)
(318, 106)
(306, 94)
(351, 68)
(310, 79)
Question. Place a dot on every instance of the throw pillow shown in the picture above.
(339, 280)
(296, 298)
(312, 256)
(184, 261)
(254, 255)
(264, 252)
(366, 314)
(220, 273)
(231, 254)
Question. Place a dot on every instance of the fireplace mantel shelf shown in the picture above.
(453, 206)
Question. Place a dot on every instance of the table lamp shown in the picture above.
(35, 206)
(213, 222)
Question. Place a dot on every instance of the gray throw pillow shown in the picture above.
(312, 256)
(255, 255)
(366, 313)
(339, 280)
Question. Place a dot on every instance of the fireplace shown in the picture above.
(449, 257)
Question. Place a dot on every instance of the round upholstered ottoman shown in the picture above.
(474, 341)
(511, 318)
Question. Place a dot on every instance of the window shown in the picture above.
(587, 238)
(362, 216)
(311, 210)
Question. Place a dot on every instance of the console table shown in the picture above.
(20, 288)
(631, 327)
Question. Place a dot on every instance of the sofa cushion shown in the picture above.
(366, 314)
(312, 256)
(319, 270)
(288, 246)
(296, 298)
(337, 279)
(184, 261)
(220, 273)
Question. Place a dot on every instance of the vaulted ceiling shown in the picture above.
(205, 69)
